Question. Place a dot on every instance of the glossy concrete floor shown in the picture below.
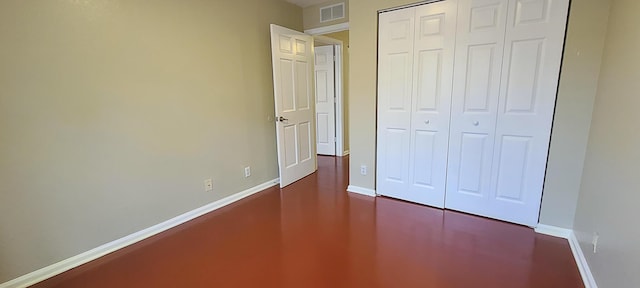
(315, 234)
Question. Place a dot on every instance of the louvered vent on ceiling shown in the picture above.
(332, 12)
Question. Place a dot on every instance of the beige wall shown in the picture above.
(344, 37)
(112, 113)
(312, 15)
(578, 84)
(609, 197)
(575, 99)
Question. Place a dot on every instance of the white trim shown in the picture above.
(361, 191)
(345, 153)
(581, 261)
(553, 231)
(339, 87)
(75, 261)
(328, 29)
(578, 255)
(325, 40)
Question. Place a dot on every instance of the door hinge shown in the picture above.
(334, 58)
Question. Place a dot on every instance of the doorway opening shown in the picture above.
(331, 78)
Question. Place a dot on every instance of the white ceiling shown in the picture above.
(306, 3)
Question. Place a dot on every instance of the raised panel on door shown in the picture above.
(533, 52)
(396, 159)
(288, 103)
(325, 100)
(476, 90)
(514, 162)
(434, 49)
(322, 121)
(395, 66)
(472, 164)
(304, 101)
(292, 60)
(290, 140)
(305, 150)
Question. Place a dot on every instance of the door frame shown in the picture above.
(339, 89)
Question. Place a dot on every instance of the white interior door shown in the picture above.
(292, 57)
(416, 52)
(325, 100)
(476, 89)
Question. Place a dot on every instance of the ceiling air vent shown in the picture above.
(332, 12)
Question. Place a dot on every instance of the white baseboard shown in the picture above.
(578, 255)
(553, 231)
(362, 191)
(583, 266)
(75, 261)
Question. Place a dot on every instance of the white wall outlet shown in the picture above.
(208, 185)
(247, 171)
(596, 237)
(363, 170)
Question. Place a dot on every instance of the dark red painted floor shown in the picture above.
(315, 234)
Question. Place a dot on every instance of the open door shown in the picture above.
(293, 59)
(325, 100)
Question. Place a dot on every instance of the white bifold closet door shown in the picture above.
(476, 89)
(466, 96)
(416, 55)
(508, 56)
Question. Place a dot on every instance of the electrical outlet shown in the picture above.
(596, 237)
(247, 171)
(208, 185)
(363, 170)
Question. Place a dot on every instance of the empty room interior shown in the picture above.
(319, 143)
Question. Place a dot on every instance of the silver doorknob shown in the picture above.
(427, 121)
(282, 119)
(476, 123)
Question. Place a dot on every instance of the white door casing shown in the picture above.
(325, 100)
(292, 58)
(416, 55)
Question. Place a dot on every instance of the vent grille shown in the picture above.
(332, 12)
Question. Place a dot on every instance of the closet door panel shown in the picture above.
(432, 87)
(416, 52)
(533, 54)
(395, 84)
(478, 66)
